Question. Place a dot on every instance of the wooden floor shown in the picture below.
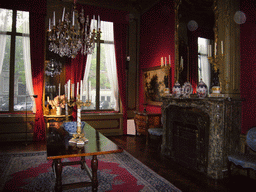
(182, 178)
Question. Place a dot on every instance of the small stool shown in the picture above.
(155, 134)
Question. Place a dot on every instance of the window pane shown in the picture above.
(107, 29)
(22, 22)
(108, 77)
(20, 90)
(90, 83)
(4, 72)
(5, 20)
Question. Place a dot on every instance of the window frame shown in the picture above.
(13, 34)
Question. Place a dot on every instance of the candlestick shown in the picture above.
(69, 90)
(63, 14)
(169, 59)
(215, 48)
(77, 90)
(72, 91)
(49, 24)
(99, 22)
(162, 61)
(53, 19)
(73, 19)
(81, 90)
(165, 63)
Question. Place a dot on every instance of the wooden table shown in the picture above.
(58, 148)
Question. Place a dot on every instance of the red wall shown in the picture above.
(156, 41)
(248, 64)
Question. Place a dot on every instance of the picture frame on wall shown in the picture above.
(154, 80)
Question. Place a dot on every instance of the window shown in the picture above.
(15, 65)
(101, 74)
(204, 68)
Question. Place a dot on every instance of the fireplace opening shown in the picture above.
(189, 136)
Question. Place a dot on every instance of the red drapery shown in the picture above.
(120, 31)
(37, 35)
(75, 72)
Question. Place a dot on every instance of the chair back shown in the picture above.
(251, 138)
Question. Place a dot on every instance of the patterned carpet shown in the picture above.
(116, 172)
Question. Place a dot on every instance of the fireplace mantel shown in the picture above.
(223, 130)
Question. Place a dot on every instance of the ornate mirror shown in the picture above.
(194, 32)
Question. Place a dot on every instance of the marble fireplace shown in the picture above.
(200, 133)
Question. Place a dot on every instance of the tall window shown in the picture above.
(100, 72)
(16, 88)
(204, 68)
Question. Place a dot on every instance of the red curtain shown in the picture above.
(120, 31)
(37, 36)
(75, 72)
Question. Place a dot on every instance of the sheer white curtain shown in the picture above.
(3, 28)
(108, 36)
(26, 56)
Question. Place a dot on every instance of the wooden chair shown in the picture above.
(245, 160)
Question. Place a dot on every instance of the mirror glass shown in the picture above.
(195, 33)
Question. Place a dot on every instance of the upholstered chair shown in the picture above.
(245, 160)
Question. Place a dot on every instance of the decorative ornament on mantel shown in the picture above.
(201, 89)
(73, 33)
(187, 89)
(176, 90)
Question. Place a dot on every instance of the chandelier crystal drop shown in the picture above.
(73, 34)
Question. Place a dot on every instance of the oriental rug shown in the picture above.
(116, 172)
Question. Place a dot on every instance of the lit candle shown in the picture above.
(98, 22)
(162, 61)
(49, 24)
(77, 90)
(63, 14)
(53, 19)
(73, 19)
(81, 90)
(222, 48)
(94, 22)
(72, 90)
(69, 90)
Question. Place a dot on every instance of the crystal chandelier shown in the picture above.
(53, 68)
(73, 34)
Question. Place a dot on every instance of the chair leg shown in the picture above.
(229, 169)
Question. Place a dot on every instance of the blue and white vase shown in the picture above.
(201, 89)
(176, 90)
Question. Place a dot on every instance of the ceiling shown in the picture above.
(139, 6)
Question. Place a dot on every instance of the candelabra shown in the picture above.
(78, 138)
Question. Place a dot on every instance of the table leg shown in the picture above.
(94, 165)
(58, 169)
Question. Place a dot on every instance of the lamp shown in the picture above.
(73, 34)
